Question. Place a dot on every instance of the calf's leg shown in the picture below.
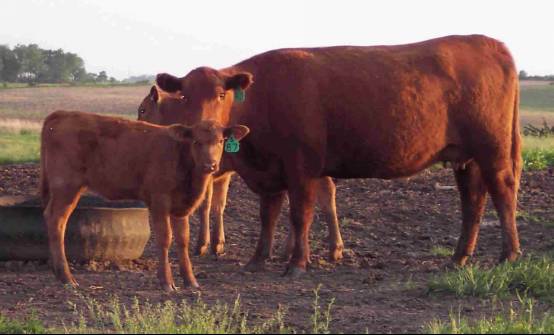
(473, 196)
(219, 201)
(182, 235)
(162, 229)
(61, 203)
(203, 242)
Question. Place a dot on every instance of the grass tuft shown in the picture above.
(533, 276)
(30, 325)
(440, 251)
(516, 321)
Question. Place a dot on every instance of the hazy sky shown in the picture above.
(126, 37)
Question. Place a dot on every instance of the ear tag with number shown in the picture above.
(232, 145)
(240, 95)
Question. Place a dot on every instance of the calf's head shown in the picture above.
(160, 107)
(207, 140)
(205, 94)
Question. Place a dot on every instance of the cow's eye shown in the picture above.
(185, 99)
(221, 96)
(142, 110)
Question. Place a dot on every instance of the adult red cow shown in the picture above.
(370, 112)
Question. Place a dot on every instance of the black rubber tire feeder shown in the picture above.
(97, 230)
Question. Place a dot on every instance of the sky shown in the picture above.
(126, 37)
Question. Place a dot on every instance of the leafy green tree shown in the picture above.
(10, 64)
(102, 77)
(32, 60)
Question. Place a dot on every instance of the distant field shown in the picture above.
(37, 102)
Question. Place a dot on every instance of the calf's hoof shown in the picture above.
(168, 288)
(66, 278)
(294, 272)
(255, 266)
(335, 253)
(201, 249)
(510, 256)
(218, 249)
(192, 283)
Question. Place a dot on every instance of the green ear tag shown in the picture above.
(240, 95)
(232, 145)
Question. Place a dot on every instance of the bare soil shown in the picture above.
(389, 228)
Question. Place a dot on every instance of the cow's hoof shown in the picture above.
(66, 279)
(335, 254)
(510, 256)
(255, 266)
(294, 272)
(201, 249)
(218, 249)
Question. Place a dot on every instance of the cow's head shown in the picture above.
(207, 139)
(205, 93)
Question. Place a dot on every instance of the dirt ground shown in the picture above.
(389, 228)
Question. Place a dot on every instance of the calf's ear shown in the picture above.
(239, 81)
(238, 132)
(168, 83)
(180, 132)
(154, 96)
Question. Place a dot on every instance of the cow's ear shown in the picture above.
(154, 96)
(238, 132)
(239, 81)
(180, 132)
(168, 83)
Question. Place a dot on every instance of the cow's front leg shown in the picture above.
(270, 207)
(182, 236)
(302, 201)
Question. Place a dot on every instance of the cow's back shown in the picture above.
(380, 111)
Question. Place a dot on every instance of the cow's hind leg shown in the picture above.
(326, 199)
(473, 196)
(182, 236)
(270, 207)
(60, 205)
(502, 186)
(203, 242)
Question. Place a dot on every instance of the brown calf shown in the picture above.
(370, 112)
(168, 168)
(163, 108)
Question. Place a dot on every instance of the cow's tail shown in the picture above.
(44, 190)
(516, 140)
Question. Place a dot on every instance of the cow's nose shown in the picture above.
(210, 167)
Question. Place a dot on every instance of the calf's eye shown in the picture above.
(221, 96)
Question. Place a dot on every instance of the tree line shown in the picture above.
(32, 64)
(524, 76)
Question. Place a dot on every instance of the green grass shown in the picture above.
(533, 276)
(169, 317)
(538, 153)
(19, 147)
(537, 98)
(30, 325)
(515, 321)
(440, 251)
